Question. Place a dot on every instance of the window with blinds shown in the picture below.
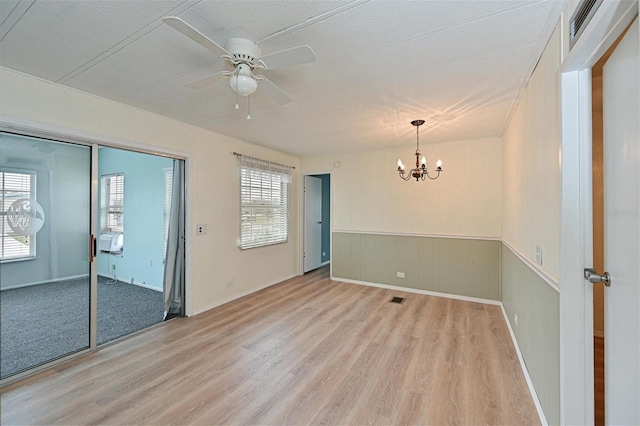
(264, 203)
(15, 185)
(166, 205)
(112, 203)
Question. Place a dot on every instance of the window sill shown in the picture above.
(17, 259)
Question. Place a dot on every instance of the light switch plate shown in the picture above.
(539, 255)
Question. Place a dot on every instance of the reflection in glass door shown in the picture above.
(134, 197)
(44, 251)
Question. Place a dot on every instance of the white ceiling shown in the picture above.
(460, 65)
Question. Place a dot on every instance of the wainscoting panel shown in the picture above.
(464, 267)
(537, 305)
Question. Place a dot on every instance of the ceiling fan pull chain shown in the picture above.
(237, 106)
(249, 107)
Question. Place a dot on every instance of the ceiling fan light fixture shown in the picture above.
(243, 85)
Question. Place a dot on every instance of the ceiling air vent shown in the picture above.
(581, 17)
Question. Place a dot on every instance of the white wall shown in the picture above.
(531, 216)
(368, 196)
(213, 192)
(531, 165)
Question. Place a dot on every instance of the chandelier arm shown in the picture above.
(432, 178)
(402, 175)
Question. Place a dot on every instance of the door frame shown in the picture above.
(301, 230)
(576, 296)
(46, 131)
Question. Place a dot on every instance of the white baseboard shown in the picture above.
(150, 287)
(419, 291)
(325, 263)
(523, 366)
(239, 295)
(73, 277)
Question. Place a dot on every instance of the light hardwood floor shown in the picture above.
(305, 351)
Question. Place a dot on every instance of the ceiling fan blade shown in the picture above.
(203, 82)
(286, 58)
(195, 35)
(273, 91)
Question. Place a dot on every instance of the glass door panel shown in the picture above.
(44, 251)
(134, 197)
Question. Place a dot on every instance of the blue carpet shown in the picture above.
(48, 321)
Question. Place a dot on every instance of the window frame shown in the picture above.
(107, 226)
(32, 191)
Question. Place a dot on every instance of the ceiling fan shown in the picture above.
(244, 56)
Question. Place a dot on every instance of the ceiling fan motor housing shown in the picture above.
(243, 49)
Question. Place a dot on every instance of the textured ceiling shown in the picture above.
(460, 65)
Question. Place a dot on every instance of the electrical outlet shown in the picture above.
(400, 274)
(515, 318)
(324, 253)
(201, 229)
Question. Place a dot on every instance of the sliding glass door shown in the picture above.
(45, 200)
(84, 236)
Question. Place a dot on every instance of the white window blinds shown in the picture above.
(264, 202)
(14, 185)
(112, 203)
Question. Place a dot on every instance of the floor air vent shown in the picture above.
(397, 300)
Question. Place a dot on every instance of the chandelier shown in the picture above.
(420, 172)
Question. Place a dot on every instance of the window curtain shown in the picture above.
(174, 265)
(256, 164)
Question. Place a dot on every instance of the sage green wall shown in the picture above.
(464, 267)
(537, 305)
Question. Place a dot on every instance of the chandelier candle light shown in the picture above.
(420, 172)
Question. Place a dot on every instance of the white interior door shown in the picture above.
(312, 223)
(622, 231)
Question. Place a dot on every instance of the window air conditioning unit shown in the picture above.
(110, 243)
